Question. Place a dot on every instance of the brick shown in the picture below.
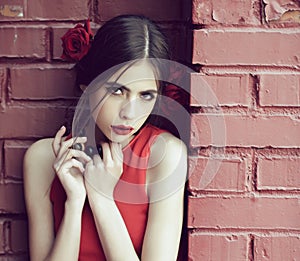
(279, 90)
(57, 10)
(58, 32)
(251, 47)
(218, 174)
(37, 121)
(11, 9)
(278, 173)
(2, 235)
(157, 10)
(277, 248)
(19, 236)
(216, 248)
(246, 213)
(281, 10)
(13, 156)
(23, 42)
(12, 198)
(226, 12)
(1, 158)
(3, 83)
(42, 83)
(221, 90)
(244, 131)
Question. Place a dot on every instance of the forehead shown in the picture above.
(140, 73)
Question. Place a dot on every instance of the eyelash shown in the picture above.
(150, 96)
(147, 96)
(113, 90)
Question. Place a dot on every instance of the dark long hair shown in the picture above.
(122, 39)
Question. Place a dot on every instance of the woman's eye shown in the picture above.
(148, 96)
(118, 91)
(115, 91)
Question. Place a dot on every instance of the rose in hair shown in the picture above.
(76, 42)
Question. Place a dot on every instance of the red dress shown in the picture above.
(130, 197)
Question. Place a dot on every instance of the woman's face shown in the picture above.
(130, 101)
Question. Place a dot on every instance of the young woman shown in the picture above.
(120, 203)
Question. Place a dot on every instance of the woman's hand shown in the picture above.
(69, 166)
(102, 175)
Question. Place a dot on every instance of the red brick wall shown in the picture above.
(249, 53)
(37, 87)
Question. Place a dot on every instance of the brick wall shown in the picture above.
(249, 54)
(247, 51)
(37, 87)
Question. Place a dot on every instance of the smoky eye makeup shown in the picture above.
(114, 88)
(148, 95)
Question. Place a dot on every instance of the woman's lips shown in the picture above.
(122, 129)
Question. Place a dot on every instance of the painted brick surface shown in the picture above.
(247, 47)
(14, 150)
(282, 11)
(57, 10)
(221, 90)
(23, 42)
(2, 233)
(277, 173)
(247, 53)
(227, 174)
(18, 236)
(12, 9)
(32, 121)
(43, 82)
(226, 12)
(11, 198)
(245, 131)
(248, 212)
(230, 247)
(277, 248)
(279, 90)
(3, 82)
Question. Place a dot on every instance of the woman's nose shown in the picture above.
(129, 110)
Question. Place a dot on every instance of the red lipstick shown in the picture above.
(121, 129)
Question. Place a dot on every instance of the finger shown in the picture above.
(71, 153)
(80, 155)
(65, 145)
(72, 163)
(57, 140)
(65, 166)
(116, 151)
(106, 150)
(97, 161)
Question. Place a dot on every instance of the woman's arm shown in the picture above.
(164, 224)
(166, 180)
(38, 177)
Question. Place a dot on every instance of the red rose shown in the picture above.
(176, 98)
(76, 42)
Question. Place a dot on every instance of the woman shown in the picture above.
(116, 204)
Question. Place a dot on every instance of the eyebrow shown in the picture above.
(126, 88)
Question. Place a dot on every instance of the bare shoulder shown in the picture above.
(40, 149)
(168, 153)
(38, 171)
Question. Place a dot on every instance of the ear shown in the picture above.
(82, 87)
